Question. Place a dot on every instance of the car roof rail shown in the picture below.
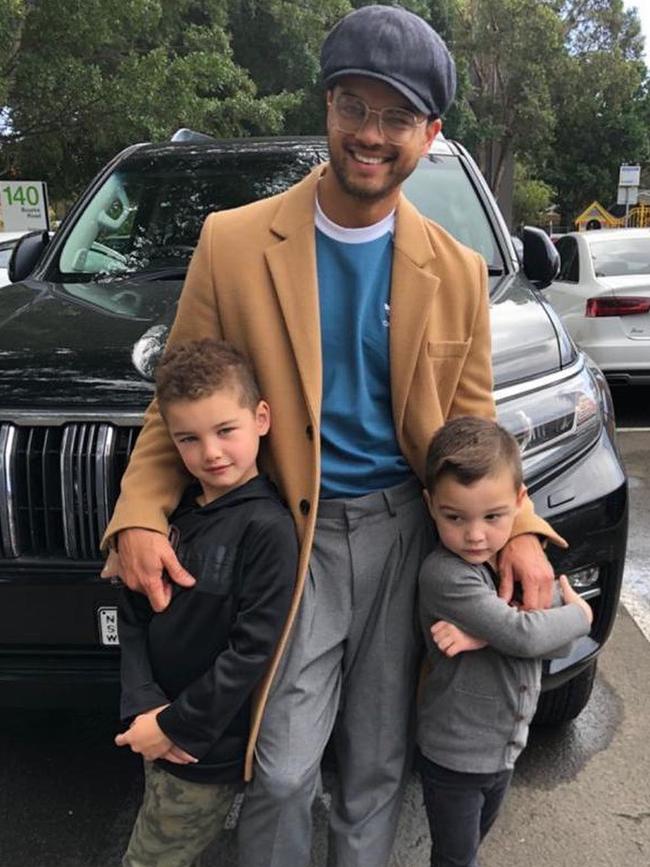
(189, 135)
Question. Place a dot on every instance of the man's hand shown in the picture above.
(452, 640)
(143, 554)
(523, 560)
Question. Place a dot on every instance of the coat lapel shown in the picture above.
(413, 287)
(292, 263)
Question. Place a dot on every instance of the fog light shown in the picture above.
(583, 579)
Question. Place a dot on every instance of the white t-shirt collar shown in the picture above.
(353, 236)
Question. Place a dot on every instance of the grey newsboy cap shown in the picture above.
(395, 46)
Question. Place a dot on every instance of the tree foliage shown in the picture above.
(88, 79)
(559, 86)
(510, 48)
(532, 198)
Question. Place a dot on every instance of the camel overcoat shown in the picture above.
(252, 281)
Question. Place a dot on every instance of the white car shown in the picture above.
(603, 295)
(8, 241)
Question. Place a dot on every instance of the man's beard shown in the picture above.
(361, 192)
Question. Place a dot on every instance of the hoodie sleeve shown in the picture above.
(457, 592)
(201, 713)
(139, 691)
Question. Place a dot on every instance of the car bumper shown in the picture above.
(39, 666)
(593, 518)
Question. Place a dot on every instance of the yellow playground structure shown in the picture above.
(598, 217)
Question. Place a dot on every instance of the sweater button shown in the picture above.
(304, 507)
(309, 430)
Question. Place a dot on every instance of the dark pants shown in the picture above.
(461, 809)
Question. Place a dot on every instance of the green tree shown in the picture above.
(509, 48)
(87, 79)
(532, 198)
(601, 104)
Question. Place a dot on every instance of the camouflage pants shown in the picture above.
(177, 820)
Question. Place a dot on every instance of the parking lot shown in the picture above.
(581, 794)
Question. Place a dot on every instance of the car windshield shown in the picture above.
(146, 217)
(148, 214)
(617, 257)
(442, 191)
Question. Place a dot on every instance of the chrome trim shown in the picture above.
(540, 382)
(67, 491)
(45, 488)
(8, 533)
(80, 486)
(23, 418)
(103, 458)
(590, 593)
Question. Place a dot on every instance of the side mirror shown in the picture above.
(541, 258)
(26, 254)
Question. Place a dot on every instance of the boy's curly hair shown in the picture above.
(469, 448)
(198, 368)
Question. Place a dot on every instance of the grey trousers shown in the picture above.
(351, 667)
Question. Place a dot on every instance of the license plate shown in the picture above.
(107, 617)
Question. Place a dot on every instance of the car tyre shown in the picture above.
(563, 704)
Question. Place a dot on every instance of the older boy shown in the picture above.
(476, 707)
(188, 673)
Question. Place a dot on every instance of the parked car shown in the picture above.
(79, 335)
(602, 294)
(8, 241)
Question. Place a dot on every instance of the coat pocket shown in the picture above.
(442, 349)
(447, 358)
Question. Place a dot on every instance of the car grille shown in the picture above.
(61, 482)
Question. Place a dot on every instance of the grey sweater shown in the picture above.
(475, 708)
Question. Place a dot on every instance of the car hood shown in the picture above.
(61, 350)
(67, 347)
(527, 338)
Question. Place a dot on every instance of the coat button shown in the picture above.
(304, 507)
(523, 688)
(309, 430)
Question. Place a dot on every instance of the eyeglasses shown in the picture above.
(397, 125)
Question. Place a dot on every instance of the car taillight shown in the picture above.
(622, 305)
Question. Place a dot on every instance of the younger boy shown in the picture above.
(188, 673)
(476, 707)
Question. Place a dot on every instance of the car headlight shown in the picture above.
(554, 423)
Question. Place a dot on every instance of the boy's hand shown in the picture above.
(143, 555)
(523, 559)
(452, 640)
(571, 597)
(178, 756)
(145, 736)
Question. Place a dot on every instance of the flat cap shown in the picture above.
(395, 46)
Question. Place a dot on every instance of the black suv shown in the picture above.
(88, 315)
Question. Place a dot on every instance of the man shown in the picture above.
(367, 326)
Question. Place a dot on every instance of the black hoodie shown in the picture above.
(206, 652)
